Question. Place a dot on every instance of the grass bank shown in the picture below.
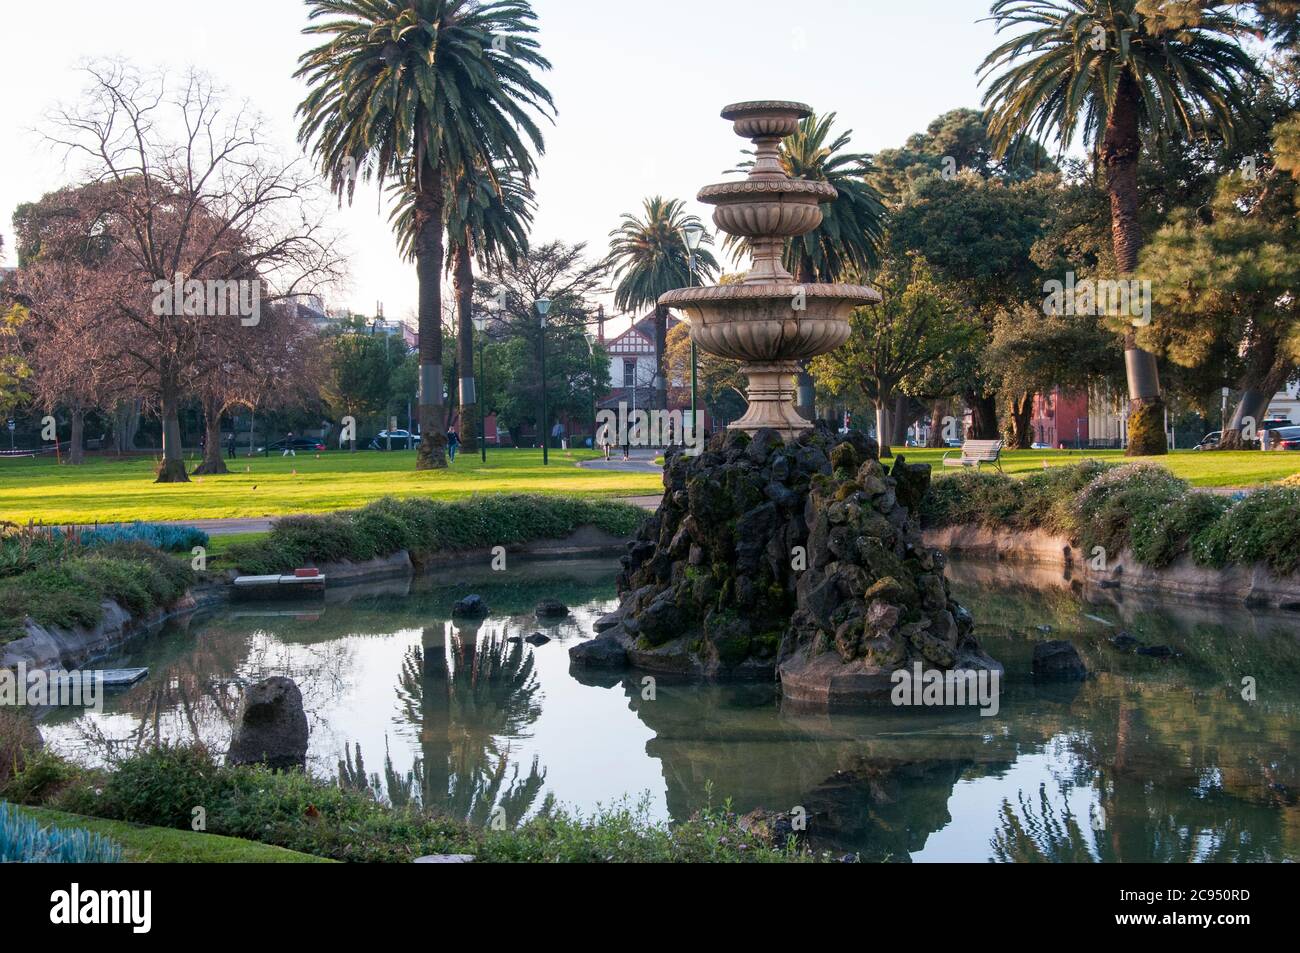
(158, 845)
(160, 787)
(424, 528)
(108, 490)
(1201, 470)
(1142, 507)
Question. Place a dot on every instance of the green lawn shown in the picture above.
(107, 490)
(1244, 469)
(160, 845)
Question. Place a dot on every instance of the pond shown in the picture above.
(1151, 760)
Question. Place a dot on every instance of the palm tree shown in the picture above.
(1102, 68)
(416, 90)
(650, 258)
(852, 229)
(489, 214)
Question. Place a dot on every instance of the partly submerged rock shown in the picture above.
(551, 609)
(471, 607)
(271, 727)
(537, 639)
(1058, 661)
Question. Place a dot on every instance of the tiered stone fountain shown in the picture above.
(783, 550)
(769, 321)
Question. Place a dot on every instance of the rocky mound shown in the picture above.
(799, 559)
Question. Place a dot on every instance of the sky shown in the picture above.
(638, 89)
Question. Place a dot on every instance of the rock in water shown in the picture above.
(271, 727)
(551, 609)
(471, 607)
(1059, 661)
(801, 558)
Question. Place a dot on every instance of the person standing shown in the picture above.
(230, 444)
(453, 444)
(289, 451)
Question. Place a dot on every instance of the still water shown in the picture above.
(1151, 760)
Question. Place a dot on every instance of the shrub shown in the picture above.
(1260, 528)
(169, 539)
(24, 841)
(426, 527)
(972, 497)
(19, 740)
(293, 810)
(1161, 534)
(1047, 497)
(68, 593)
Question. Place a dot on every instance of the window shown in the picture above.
(629, 373)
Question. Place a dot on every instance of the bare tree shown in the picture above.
(203, 228)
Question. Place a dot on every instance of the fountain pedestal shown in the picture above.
(769, 321)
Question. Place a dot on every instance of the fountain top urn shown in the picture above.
(769, 320)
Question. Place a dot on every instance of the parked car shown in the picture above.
(1287, 438)
(401, 440)
(1211, 441)
(297, 444)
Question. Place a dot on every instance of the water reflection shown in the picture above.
(1151, 760)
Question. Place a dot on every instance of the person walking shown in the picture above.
(453, 444)
(230, 445)
(289, 451)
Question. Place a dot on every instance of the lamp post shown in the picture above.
(591, 346)
(543, 309)
(694, 234)
(480, 325)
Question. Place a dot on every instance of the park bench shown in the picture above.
(975, 453)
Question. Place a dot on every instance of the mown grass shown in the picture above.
(107, 490)
(1204, 470)
(160, 845)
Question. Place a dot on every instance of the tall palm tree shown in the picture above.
(489, 215)
(418, 89)
(852, 229)
(650, 258)
(1102, 68)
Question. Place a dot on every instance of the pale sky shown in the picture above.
(638, 87)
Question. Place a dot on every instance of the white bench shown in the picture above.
(976, 453)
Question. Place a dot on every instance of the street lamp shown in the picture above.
(694, 234)
(591, 346)
(480, 325)
(543, 306)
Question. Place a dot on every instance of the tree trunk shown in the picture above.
(1020, 435)
(126, 425)
(984, 416)
(469, 398)
(77, 448)
(172, 468)
(1266, 372)
(1120, 151)
(214, 460)
(899, 421)
(882, 427)
(938, 413)
(429, 255)
(661, 346)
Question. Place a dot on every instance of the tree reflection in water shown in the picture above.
(465, 696)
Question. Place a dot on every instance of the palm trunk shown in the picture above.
(214, 460)
(464, 280)
(661, 347)
(1120, 151)
(429, 256)
(172, 469)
